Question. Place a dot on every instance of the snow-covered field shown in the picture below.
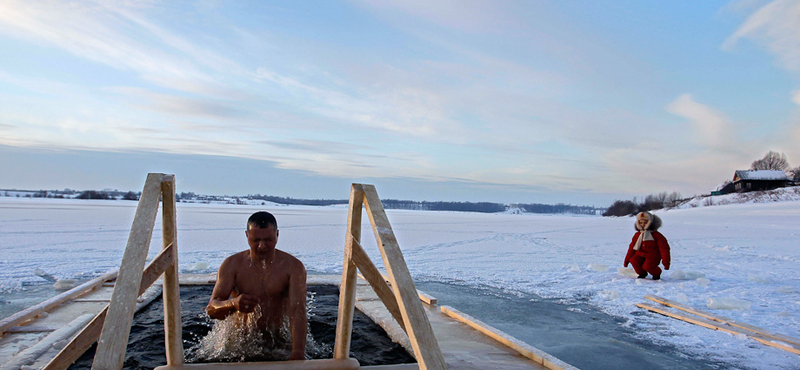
(746, 254)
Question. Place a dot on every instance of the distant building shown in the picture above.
(759, 180)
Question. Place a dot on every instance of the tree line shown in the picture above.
(481, 207)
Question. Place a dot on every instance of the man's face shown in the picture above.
(262, 241)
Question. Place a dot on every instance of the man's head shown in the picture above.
(262, 219)
(262, 234)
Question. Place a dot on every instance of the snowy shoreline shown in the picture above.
(747, 252)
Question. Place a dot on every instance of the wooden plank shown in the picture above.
(91, 332)
(29, 329)
(375, 279)
(517, 345)
(724, 320)
(36, 310)
(418, 327)
(717, 326)
(326, 364)
(391, 367)
(171, 288)
(29, 355)
(92, 300)
(114, 338)
(347, 289)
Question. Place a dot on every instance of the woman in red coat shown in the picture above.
(648, 247)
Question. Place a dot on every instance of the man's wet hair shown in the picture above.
(262, 220)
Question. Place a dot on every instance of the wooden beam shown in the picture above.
(171, 288)
(36, 310)
(375, 279)
(89, 334)
(418, 327)
(724, 320)
(347, 290)
(718, 326)
(326, 364)
(29, 355)
(114, 337)
(30, 329)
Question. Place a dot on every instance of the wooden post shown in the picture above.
(423, 341)
(114, 338)
(347, 290)
(171, 289)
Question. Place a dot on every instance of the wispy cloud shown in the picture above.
(112, 33)
(711, 128)
(777, 26)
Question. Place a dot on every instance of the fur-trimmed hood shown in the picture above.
(655, 221)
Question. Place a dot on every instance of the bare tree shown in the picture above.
(673, 200)
(794, 173)
(771, 161)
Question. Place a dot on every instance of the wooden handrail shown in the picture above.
(114, 338)
(89, 334)
(376, 281)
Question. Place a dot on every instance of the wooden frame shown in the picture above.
(113, 324)
(399, 296)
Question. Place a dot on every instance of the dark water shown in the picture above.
(369, 344)
(576, 333)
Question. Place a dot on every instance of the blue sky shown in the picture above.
(510, 101)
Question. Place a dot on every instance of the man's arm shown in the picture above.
(298, 322)
(221, 304)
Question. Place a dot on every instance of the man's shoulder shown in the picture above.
(237, 258)
(288, 258)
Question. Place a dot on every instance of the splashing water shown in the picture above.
(238, 338)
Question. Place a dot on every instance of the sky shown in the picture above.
(505, 101)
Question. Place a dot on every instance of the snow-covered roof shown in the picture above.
(760, 175)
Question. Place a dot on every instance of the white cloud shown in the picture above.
(776, 26)
(116, 35)
(711, 128)
(796, 97)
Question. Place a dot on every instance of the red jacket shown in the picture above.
(657, 248)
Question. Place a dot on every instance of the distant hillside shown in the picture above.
(778, 195)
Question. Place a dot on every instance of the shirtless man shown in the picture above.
(266, 277)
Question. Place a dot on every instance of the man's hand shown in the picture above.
(245, 303)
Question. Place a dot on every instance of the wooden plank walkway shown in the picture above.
(463, 347)
(16, 341)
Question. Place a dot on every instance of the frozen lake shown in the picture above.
(511, 271)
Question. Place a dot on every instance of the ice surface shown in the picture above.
(717, 249)
(727, 303)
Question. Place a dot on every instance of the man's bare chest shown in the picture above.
(260, 282)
